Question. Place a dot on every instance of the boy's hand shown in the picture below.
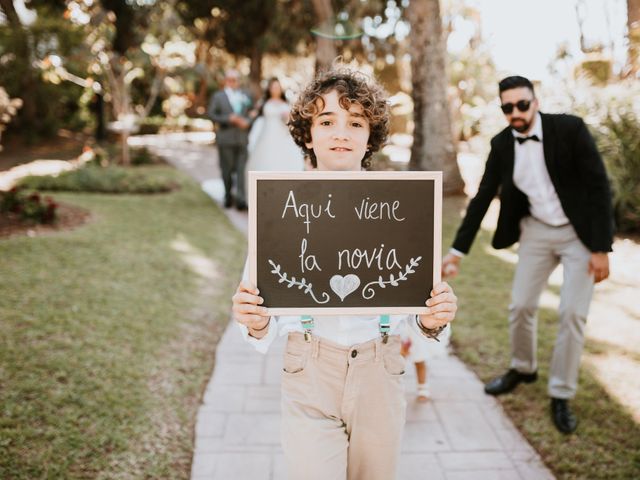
(247, 309)
(442, 305)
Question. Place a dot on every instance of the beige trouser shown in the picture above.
(343, 409)
(542, 247)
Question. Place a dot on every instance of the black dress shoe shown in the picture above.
(241, 206)
(228, 201)
(563, 418)
(509, 381)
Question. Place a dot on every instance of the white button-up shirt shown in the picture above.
(531, 176)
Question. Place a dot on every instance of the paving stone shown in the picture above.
(424, 437)
(279, 468)
(209, 445)
(510, 474)
(253, 429)
(420, 466)
(511, 439)
(420, 412)
(204, 465)
(225, 398)
(456, 388)
(241, 466)
(263, 398)
(452, 461)
(210, 423)
(227, 373)
(466, 427)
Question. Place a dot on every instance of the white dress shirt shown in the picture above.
(346, 330)
(531, 176)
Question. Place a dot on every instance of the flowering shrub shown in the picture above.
(28, 206)
(8, 109)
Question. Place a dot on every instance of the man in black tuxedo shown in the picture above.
(555, 200)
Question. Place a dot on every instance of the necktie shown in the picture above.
(521, 140)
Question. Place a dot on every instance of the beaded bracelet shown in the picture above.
(430, 332)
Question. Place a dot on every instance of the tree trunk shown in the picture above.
(325, 47)
(433, 146)
(255, 73)
(633, 37)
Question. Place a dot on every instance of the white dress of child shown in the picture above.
(271, 147)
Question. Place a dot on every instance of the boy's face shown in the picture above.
(339, 137)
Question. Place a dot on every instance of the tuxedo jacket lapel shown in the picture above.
(549, 139)
(507, 153)
(229, 104)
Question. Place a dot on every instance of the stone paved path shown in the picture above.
(460, 434)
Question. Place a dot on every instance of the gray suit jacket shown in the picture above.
(219, 111)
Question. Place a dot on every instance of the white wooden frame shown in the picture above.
(255, 176)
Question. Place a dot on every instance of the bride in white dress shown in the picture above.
(270, 144)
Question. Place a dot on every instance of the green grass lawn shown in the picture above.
(607, 443)
(108, 335)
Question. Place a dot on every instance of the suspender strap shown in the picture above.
(384, 324)
(307, 325)
(385, 327)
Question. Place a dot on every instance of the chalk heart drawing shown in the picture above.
(343, 286)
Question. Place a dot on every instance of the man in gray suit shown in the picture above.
(229, 110)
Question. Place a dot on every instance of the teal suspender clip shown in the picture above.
(385, 327)
(307, 324)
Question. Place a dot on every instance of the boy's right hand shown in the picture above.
(247, 309)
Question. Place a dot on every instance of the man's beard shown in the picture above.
(521, 127)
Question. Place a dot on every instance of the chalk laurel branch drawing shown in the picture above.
(302, 283)
(368, 290)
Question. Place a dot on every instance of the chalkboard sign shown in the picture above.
(345, 242)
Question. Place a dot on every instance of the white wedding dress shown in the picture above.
(271, 147)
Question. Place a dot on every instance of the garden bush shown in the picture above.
(612, 114)
(30, 207)
(619, 141)
(111, 179)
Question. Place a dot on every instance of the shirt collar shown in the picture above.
(536, 130)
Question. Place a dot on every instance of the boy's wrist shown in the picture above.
(259, 332)
(430, 332)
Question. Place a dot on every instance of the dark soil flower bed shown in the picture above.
(68, 217)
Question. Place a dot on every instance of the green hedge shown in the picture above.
(619, 141)
(111, 179)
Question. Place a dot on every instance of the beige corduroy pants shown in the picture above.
(343, 409)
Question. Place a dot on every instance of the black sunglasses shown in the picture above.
(522, 105)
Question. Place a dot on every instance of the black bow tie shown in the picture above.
(521, 140)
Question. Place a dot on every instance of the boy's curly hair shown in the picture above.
(352, 87)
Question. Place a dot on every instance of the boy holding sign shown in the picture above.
(343, 402)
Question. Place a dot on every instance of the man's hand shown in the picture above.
(247, 309)
(599, 266)
(238, 121)
(450, 265)
(442, 307)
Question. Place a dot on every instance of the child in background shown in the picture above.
(417, 350)
(343, 401)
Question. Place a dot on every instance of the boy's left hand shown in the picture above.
(442, 306)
